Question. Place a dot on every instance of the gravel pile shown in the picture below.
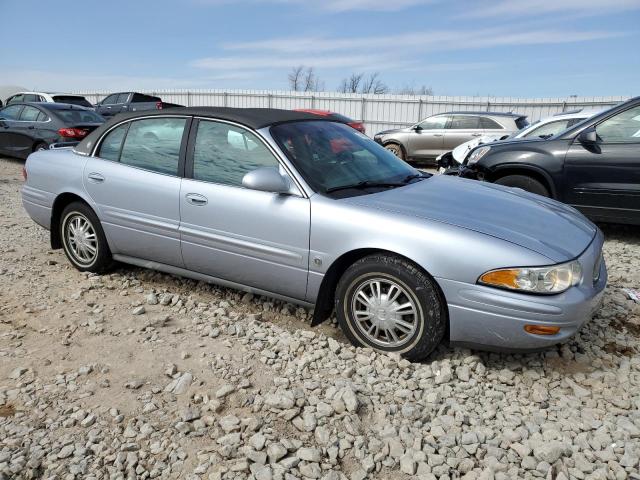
(137, 374)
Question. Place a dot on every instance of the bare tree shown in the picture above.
(359, 83)
(373, 84)
(303, 79)
(295, 78)
(411, 90)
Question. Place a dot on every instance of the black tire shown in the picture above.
(525, 183)
(40, 146)
(102, 260)
(396, 149)
(430, 319)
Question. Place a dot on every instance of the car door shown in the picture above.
(427, 138)
(8, 134)
(135, 183)
(253, 238)
(461, 129)
(25, 129)
(106, 106)
(122, 103)
(603, 178)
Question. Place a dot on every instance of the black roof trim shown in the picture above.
(493, 114)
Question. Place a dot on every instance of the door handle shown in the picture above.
(95, 177)
(437, 134)
(31, 127)
(196, 199)
(476, 134)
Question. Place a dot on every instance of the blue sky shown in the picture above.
(525, 48)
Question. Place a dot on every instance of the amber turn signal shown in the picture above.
(541, 329)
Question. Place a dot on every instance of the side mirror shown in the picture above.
(266, 179)
(417, 128)
(588, 136)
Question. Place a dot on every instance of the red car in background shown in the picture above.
(358, 125)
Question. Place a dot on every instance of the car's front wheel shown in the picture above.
(83, 239)
(389, 304)
(395, 149)
(525, 183)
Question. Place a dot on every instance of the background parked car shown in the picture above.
(443, 132)
(27, 127)
(130, 102)
(593, 166)
(547, 127)
(336, 117)
(49, 97)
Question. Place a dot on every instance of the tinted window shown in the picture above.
(434, 122)
(110, 100)
(77, 116)
(42, 117)
(521, 123)
(330, 155)
(110, 146)
(139, 98)
(11, 112)
(29, 114)
(464, 122)
(154, 144)
(224, 153)
(72, 99)
(622, 128)
(30, 97)
(489, 124)
(122, 98)
(548, 129)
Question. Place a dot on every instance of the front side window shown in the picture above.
(464, 122)
(154, 144)
(11, 112)
(122, 98)
(224, 153)
(112, 143)
(621, 128)
(548, 129)
(434, 123)
(30, 97)
(110, 100)
(29, 114)
(332, 156)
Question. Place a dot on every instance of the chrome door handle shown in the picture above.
(196, 199)
(95, 177)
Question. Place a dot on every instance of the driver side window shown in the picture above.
(224, 153)
(621, 128)
(434, 123)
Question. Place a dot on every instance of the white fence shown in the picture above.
(379, 112)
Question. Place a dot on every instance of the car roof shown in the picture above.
(52, 106)
(487, 114)
(255, 118)
(47, 93)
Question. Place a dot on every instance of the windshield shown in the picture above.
(72, 99)
(332, 155)
(79, 116)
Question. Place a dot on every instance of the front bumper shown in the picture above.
(485, 317)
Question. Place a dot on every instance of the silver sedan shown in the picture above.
(292, 206)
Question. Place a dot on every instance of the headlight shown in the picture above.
(553, 279)
(477, 154)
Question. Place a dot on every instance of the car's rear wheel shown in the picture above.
(40, 146)
(389, 304)
(83, 239)
(395, 149)
(525, 183)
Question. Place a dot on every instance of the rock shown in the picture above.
(309, 454)
(550, 452)
(408, 464)
(138, 310)
(275, 451)
(183, 384)
(350, 400)
(225, 390)
(152, 299)
(280, 401)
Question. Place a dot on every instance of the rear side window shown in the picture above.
(224, 153)
(464, 122)
(154, 144)
(29, 114)
(42, 117)
(489, 124)
(141, 98)
(521, 122)
(30, 97)
(72, 99)
(11, 112)
(112, 143)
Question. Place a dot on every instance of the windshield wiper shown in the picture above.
(366, 184)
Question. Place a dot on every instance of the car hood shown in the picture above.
(542, 225)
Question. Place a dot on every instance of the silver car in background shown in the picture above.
(435, 135)
(292, 206)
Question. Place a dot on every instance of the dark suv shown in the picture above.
(593, 166)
